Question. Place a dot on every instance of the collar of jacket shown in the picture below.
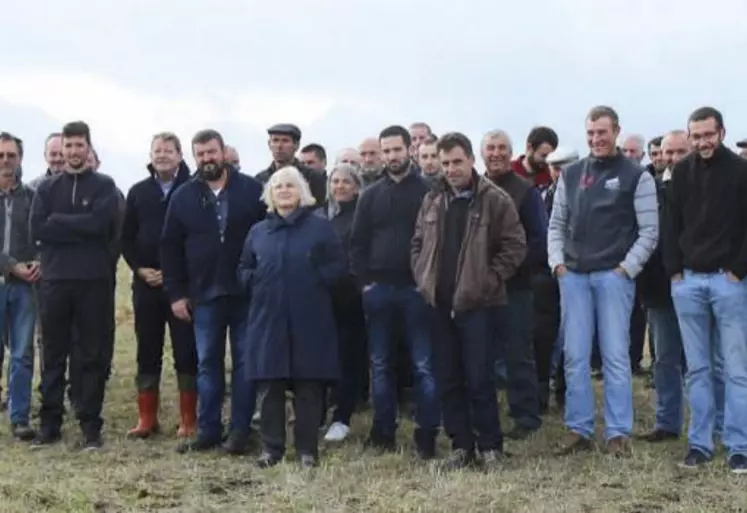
(719, 154)
(182, 172)
(606, 162)
(276, 221)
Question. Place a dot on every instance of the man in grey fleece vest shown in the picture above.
(603, 228)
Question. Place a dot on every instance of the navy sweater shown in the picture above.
(144, 217)
(383, 226)
(75, 223)
(195, 259)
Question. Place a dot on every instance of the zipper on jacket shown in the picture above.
(75, 187)
(465, 241)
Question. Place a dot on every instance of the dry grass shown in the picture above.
(150, 476)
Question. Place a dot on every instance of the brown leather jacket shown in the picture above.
(493, 247)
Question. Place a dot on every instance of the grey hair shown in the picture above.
(333, 208)
(293, 175)
(498, 133)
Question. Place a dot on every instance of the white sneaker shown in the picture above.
(337, 432)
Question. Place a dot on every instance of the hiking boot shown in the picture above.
(695, 459)
(237, 443)
(619, 447)
(198, 445)
(658, 435)
(573, 444)
(45, 438)
(92, 442)
(23, 432)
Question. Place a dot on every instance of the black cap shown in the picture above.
(285, 129)
(742, 143)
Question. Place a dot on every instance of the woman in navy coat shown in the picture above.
(289, 264)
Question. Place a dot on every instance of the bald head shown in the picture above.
(370, 154)
(674, 146)
(232, 156)
(349, 156)
(634, 147)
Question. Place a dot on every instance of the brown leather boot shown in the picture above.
(187, 414)
(147, 402)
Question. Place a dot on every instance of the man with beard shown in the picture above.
(658, 163)
(632, 147)
(513, 322)
(147, 202)
(20, 270)
(371, 165)
(206, 223)
(705, 254)
(429, 162)
(285, 139)
(74, 220)
(379, 250)
(532, 165)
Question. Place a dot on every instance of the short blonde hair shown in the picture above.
(293, 175)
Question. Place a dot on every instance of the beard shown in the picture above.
(537, 167)
(398, 170)
(211, 171)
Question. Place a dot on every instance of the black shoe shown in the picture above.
(519, 432)
(198, 445)
(695, 459)
(23, 432)
(308, 461)
(92, 442)
(237, 443)
(267, 460)
(425, 443)
(45, 438)
(738, 464)
(658, 435)
(459, 459)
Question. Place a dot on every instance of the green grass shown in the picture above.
(149, 476)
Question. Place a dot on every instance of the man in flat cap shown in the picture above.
(742, 145)
(284, 142)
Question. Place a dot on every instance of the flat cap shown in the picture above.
(742, 143)
(285, 129)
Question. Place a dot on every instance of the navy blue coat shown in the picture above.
(288, 267)
(194, 259)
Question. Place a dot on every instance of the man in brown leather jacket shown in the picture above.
(468, 242)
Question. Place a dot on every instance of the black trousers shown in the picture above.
(85, 306)
(464, 356)
(638, 324)
(353, 364)
(152, 313)
(307, 403)
(546, 328)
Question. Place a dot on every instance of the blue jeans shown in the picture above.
(603, 299)
(382, 304)
(17, 320)
(704, 302)
(211, 322)
(513, 331)
(668, 368)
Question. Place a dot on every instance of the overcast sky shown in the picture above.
(342, 70)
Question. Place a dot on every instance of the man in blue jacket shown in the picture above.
(74, 221)
(206, 223)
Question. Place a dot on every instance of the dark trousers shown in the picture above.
(464, 358)
(637, 333)
(353, 364)
(513, 330)
(546, 327)
(86, 306)
(307, 405)
(152, 313)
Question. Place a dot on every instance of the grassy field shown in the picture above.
(149, 476)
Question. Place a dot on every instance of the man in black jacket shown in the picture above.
(285, 139)
(705, 254)
(74, 221)
(383, 226)
(146, 211)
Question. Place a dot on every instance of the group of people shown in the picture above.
(402, 266)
